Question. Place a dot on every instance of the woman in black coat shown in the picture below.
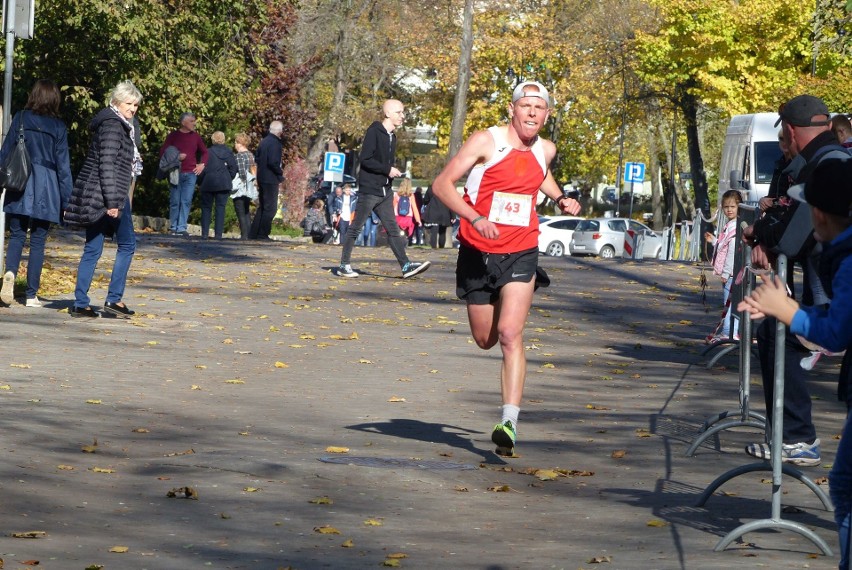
(100, 200)
(437, 218)
(216, 183)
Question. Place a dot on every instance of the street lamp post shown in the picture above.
(619, 181)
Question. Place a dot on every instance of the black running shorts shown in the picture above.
(479, 276)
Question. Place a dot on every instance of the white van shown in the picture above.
(749, 155)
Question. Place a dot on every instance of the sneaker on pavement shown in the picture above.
(34, 302)
(7, 291)
(503, 437)
(346, 271)
(804, 454)
(411, 268)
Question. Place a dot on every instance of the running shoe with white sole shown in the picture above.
(7, 291)
(412, 268)
(804, 454)
(346, 271)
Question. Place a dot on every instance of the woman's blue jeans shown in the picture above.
(18, 226)
(125, 239)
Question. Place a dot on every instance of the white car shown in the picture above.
(556, 232)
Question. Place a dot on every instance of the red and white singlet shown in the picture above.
(504, 190)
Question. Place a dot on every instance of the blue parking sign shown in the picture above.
(634, 172)
(333, 167)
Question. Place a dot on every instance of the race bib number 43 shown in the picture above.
(510, 209)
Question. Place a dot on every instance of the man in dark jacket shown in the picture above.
(269, 177)
(378, 154)
(805, 123)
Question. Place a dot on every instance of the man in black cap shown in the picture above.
(805, 121)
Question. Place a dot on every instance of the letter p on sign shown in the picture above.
(333, 167)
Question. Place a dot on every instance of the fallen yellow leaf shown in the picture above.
(332, 449)
(279, 364)
(29, 534)
(546, 474)
(373, 522)
(119, 549)
(326, 529)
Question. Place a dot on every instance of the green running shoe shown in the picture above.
(503, 437)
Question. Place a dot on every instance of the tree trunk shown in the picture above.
(341, 86)
(463, 82)
(689, 107)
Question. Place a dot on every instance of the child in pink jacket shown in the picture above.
(723, 260)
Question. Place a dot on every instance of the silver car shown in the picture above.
(605, 237)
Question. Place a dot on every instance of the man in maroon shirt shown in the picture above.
(193, 157)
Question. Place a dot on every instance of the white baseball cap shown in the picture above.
(522, 90)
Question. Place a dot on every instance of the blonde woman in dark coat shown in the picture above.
(101, 200)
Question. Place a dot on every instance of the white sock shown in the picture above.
(510, 412)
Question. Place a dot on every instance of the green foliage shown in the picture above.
(181, 54)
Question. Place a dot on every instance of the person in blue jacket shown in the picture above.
(829, 193)
(48, 188)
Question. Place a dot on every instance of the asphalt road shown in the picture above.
(249, 369)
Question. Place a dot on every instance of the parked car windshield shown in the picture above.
(766, 155)
(637, 227)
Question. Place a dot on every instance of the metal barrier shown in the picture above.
(776, 441)
(743, 416)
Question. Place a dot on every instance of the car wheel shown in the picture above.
(607, 252)
(555, 249)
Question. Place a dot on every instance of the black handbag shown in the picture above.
(16, 168)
